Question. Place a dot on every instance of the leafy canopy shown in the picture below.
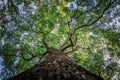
(28, 28)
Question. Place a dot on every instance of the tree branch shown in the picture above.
(71, 42)
(73, 49)
(44, 41)
(90, 9)
(28, 59)
(110, 3)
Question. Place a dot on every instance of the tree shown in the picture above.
(73, 29)
(57, 66)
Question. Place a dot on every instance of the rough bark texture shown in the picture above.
(57, 66)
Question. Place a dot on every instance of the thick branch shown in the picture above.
(71, 43)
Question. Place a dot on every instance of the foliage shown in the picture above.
(59, 23)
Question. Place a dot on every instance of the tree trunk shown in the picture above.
(57, 66)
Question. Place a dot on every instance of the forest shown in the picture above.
(84, 34)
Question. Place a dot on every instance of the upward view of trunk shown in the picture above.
(57, 66)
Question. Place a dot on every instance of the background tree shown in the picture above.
(86, 30)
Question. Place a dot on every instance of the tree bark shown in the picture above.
(57, 66)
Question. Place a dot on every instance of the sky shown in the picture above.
(1, 67)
